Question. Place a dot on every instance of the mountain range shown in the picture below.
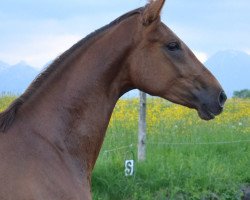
(231, 68)
(16, 78)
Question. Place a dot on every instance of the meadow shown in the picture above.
(187, 158)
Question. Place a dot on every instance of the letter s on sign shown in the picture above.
(129, 167)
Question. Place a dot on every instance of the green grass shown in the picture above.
(183, 161)
(171, 170)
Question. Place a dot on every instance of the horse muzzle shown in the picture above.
(211, 106)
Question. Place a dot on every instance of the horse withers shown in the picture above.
(52, 134)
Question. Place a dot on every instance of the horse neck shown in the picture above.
(73, 110)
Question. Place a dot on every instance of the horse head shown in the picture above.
(163, 65)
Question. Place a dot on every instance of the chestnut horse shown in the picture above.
(52, 134)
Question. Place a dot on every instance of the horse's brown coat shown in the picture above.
(52, 135)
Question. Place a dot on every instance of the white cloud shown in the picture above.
(201, 56)
(40, 50)
(39, 42)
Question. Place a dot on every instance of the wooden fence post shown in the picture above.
(142, 128)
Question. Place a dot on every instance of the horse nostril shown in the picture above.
(222, 98)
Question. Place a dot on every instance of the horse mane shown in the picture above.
(7, 117)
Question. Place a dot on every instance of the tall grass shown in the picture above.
(187, 158)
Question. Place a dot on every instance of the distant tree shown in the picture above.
(243, 94)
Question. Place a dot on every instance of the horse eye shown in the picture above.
(173, 46)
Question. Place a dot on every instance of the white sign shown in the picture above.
(129, 167)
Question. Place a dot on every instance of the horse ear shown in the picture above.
(152, 11)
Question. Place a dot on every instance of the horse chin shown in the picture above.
(205, 114)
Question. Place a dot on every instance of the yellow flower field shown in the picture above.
(236, 113)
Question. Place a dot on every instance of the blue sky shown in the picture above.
(38, 31)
